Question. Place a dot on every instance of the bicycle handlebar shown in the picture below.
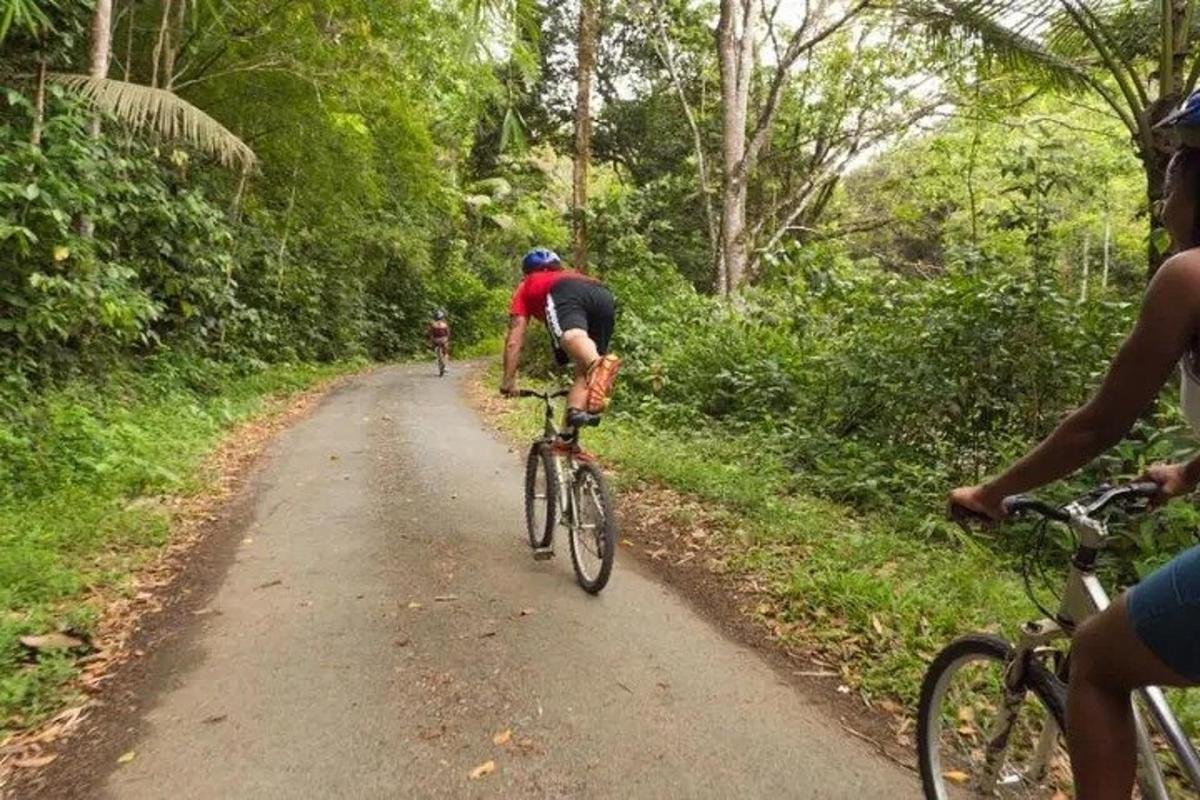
(547, 396)
(1104, 497)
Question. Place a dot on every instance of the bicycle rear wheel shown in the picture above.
(594, 528)
(541, 495)
(976, 739)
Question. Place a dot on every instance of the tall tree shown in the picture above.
(101, 44)
(1138, 57)
(589, 23)
(742, 143)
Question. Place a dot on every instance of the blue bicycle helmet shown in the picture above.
(1185, 121)
(540, 259)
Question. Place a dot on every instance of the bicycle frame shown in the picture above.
(565, 476)
(1084, 597)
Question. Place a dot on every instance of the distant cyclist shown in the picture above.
(438, 333)
(579, 313)
(1151, 635)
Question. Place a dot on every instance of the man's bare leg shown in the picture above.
(582, 351)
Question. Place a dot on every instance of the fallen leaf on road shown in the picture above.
(502, 738)
(269, 584)
(215, 719)
(51, 641)
(33, 762)
(247, 540)
(891, 707)
(445, 598)
(432, 733)
(843, 689)
(956, 776)
(402, 641)
(486, 768)
(125, 759)
(525, 612)
(414, 604)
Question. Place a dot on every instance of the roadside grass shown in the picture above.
(83, 469)
(875, 597)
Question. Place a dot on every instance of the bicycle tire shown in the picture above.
(540, 458)
(606, 540)
(1039, 681)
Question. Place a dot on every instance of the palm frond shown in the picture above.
(1012, 32)
(22, 14)
(163, 112)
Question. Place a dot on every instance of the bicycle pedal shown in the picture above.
(543, 553)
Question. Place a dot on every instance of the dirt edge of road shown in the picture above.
(165, 595)
(680, 540)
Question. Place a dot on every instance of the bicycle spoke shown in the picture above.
(1006, 749)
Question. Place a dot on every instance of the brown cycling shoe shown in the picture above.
(602, 374)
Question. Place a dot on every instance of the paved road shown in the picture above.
(330, 668)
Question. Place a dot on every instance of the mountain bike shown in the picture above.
(992, 711)
(564, 487)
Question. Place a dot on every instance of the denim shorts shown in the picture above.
(1165, 612)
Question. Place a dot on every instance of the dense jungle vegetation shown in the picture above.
(865, 249)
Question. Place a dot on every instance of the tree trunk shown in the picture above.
(129, 39)
(101, 48)
(1086, 269)
(39, 105)
(161, 44)
(1107, 247)
(589, 12)
(735, 53)
(1155, 164)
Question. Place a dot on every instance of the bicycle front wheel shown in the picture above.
(541, 495)
(976, 738)
(594, 528)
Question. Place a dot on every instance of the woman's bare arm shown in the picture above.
(1165, 329)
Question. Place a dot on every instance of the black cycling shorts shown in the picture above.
(579, 303)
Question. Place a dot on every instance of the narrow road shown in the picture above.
(383, 622)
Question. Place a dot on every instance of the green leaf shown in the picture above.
(1160, 240)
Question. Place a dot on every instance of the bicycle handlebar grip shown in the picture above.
(962, 515)
(1144, 488)
(1018, 503)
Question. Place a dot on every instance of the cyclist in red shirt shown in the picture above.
(438, 334)
(578, 311)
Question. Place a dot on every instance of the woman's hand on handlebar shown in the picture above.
(1173, 480)
(969, 503)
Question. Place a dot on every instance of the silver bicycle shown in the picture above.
(992, 711)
